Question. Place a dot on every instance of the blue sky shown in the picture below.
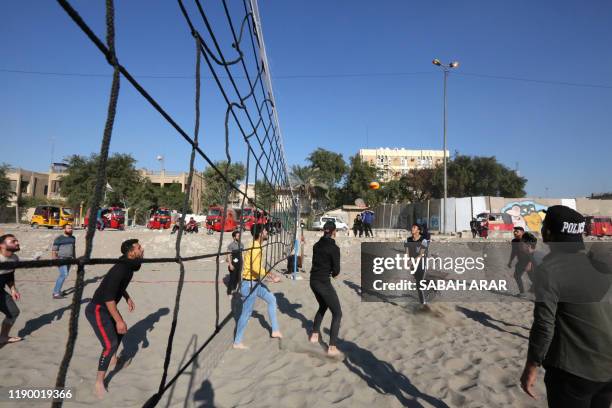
(560, 135)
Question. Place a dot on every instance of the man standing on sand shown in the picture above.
(326, 263)
(416, 247)
(63, 248)
(367, 218)
(571, 335)
(234, 261)
(252, 287)
(9, 245)
(102, 312)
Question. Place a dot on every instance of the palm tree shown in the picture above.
(305, 180)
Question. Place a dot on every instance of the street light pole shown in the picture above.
(445, 68)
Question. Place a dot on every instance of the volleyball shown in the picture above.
(374, 185)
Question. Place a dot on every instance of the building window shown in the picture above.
(14, 186)
(46, 190)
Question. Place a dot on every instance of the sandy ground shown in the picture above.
(466, 354)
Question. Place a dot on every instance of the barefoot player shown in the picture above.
(102, 312)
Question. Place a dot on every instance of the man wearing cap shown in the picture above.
(571, 335)
(326, 263)
(102, 312)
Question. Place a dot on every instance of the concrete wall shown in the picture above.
(527, 212)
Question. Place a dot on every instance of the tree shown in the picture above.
(215, 186)
(80, 180)
(265, 195)
(305, 179)
(171, 196)
(419, 185)
(5, 186)
(357, 183)
(331, 165)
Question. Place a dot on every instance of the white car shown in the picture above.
(318, 224)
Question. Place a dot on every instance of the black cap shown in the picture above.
(329, 226)
(565, 224)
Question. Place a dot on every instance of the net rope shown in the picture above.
(265, 151)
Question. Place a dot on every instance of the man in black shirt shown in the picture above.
(416, 247)
(102, 312)
(326, 262)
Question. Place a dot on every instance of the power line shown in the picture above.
(319, 76)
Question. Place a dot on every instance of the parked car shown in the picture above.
(598, 226)
(318, 223)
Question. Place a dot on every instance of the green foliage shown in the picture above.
(331, 165)
(265, 195)
(80, 181)
(5, 186)
(357, 183)
(305, 180)
(215, 187)
(29, 202)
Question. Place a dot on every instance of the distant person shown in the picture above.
(252, 280)
(9, 246)
(417, 247)
(357, 226)
(367, 218)
(100, 219)
(571, 334)
(192, 226)
(177, 225)
(326, 263)
(474, 227)
(484, 228)
(234, 261)
(103, 314)
(64, 247)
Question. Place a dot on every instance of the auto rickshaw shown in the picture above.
(160, 219)
(216, 221)
(51, 216)
(112, 217)
(598, 226)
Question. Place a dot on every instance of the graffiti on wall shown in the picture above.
(527, 214)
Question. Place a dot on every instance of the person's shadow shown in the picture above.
(69, 291)
(204, 397)
(132, 340)
(487, 320)
(382, 377)
(35, 324)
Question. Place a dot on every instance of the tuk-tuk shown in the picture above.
(500, 222)
(51, 216)
(216, 221)
(112, 217)
(598, 226)
(160, 219)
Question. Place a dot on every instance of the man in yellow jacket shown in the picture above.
(252, 287)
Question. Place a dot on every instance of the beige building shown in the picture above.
(26, 183)
(392, 163)
(166, 178)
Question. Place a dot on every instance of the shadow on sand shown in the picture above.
(35, 324)
(487, 320)
(134, 338)
(379, 375)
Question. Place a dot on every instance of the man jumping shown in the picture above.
(102, 312)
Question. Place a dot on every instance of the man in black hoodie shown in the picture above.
(102, 312)
(326, 263)
(571, 335)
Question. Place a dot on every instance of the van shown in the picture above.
(51, 216)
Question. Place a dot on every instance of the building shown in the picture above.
(167, 178)
(27, 183)
(392, 163)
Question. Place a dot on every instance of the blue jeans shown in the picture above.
(63, 274)
(249, 302)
